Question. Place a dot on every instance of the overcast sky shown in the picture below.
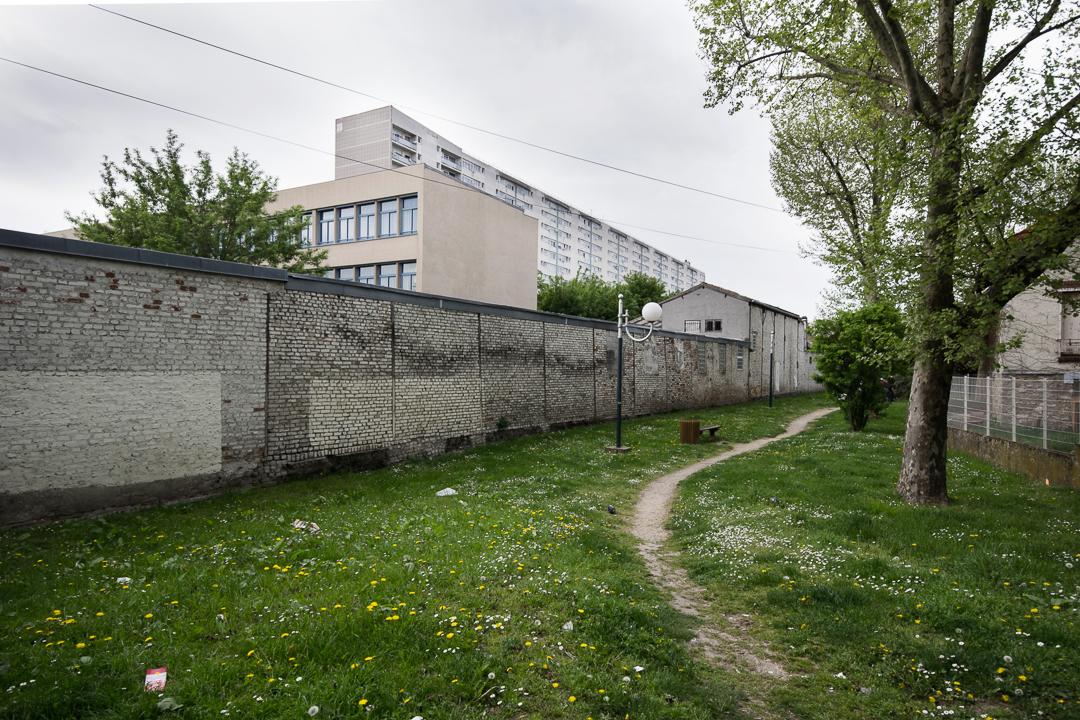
(619, 82)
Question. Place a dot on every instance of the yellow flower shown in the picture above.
(250, 653)
(369, 658)
(80, 645)
(571, 699)
(148, 615)
(363, 702)
(554, 684)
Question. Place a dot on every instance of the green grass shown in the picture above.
(881, 606)
(439, 607)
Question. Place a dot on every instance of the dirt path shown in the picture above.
(732, 646)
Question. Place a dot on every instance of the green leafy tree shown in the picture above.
(838, 166)
(583, 295)
(991, 91)
(639, 289)
(158, 203)
(854, 350)
(589, 296)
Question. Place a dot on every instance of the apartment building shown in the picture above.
(569, 241)
(411, 230)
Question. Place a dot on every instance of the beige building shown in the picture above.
(410, 228)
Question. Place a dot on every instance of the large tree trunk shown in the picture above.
(923, 474)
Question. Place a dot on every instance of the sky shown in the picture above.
(614, 81)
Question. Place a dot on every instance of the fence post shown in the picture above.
(1046, 411)
(965, 401)
(1013, 413)
(987, 406)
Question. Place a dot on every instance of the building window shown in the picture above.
(388, 275)
(408, 276)
(712, 326)
(408, 215)
(738, 358)
(692, 326)
(367, 221)
(346, 273)
(753, 340)
(346, 224)
(326, 227)
(305, 231)
(388, 218)
(366, 274)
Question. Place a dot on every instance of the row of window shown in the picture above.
(400, 275)
(363, 221)
(694, 326)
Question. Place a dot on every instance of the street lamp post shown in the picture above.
(651, 314)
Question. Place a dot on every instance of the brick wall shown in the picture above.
(125, 382)
(132, 377)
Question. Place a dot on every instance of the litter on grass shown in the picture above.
(155, 679)
(311, 527)
(446, 491)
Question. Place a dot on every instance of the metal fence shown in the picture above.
(1043, 411)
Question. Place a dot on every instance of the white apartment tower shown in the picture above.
(570, 241)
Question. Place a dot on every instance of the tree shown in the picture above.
(639, 289)
(854, 350)
(583, 295)
(160, 204)
(838, 170)
(988, 117)
(589, 296)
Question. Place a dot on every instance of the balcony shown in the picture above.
(400, 157)
(1069, 350)
(403, 141)
(450, 162)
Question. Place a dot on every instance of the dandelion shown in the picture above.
(363, 702)
(571, 699)
(148, 615)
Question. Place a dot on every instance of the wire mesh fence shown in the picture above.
(1042, 411)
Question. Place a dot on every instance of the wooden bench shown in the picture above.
(710, 429)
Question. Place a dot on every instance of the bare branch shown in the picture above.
(766, 56)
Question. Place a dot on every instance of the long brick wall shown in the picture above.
(133, 377)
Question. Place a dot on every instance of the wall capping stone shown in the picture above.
(140, 256)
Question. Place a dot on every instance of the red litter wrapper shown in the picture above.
(155, 679)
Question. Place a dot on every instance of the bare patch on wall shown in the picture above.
(84, 429)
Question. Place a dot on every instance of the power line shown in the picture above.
(311, 148)
(339, 86)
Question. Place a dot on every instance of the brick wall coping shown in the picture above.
(140, 256)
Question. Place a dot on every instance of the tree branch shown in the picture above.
(751, 61)
(1042, 26)
(1023, 150)
(892, 41)
(969, 82)
(1028, 254)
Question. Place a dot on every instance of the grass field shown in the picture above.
(889, 611)
(403, 605)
